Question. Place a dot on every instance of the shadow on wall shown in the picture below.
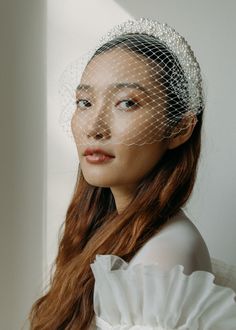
(182, 15)
(199, 15)
(161, 9)
(140, 8)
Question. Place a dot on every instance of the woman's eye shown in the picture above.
(82, 103)
(127, 104)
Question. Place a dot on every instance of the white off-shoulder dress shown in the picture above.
(169, 284)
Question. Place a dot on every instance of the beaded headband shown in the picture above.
(137, 52)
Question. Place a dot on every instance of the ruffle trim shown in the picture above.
(147, 297)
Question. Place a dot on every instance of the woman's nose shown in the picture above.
(100, 126)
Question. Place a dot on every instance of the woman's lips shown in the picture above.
(98, 158)
(97, 155)
(97, 150)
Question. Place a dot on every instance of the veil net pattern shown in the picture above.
(133, 89)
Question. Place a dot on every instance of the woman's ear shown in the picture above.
(183, 131)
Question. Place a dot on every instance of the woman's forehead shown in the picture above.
(117, 66)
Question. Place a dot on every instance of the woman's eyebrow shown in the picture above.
(83, 86)
(116, 86)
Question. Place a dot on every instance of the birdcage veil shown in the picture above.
(142, 80)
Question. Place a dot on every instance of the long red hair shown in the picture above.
(93, 226)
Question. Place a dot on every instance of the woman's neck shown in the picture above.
(122, 195)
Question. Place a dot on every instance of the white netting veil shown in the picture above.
(141, 84)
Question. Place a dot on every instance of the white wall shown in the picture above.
(209, 26)
(22, 136)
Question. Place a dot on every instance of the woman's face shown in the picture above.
(119, 106)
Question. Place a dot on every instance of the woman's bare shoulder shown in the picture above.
(178, 242)
(180, 227)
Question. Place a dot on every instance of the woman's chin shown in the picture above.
(98, 181)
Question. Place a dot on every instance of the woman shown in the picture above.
(137, 128)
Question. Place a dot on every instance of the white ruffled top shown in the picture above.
(144, 294)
